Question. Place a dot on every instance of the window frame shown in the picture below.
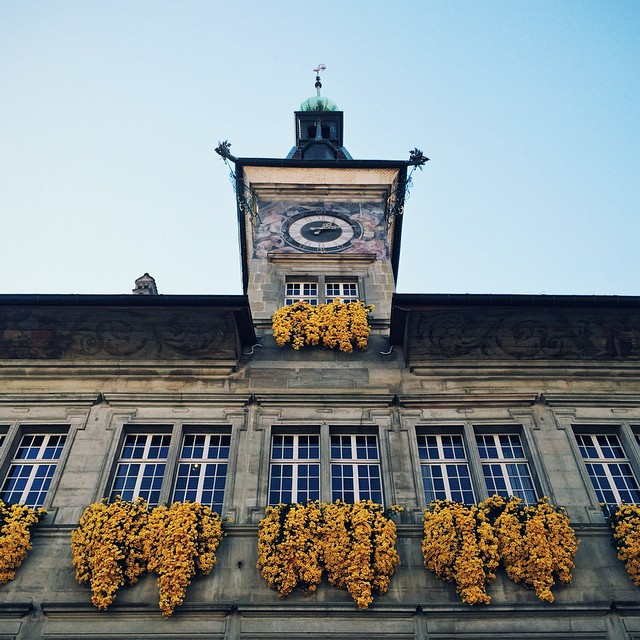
(176, 430)
(469, 429)
(302, 282)
(193, 430)
(150, 432)
(14, 434)
(422, 432)
(326, 461)
(504, 462)
(321, 281)
(627, 437)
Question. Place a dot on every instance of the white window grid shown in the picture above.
(505, 466)
(345, 291)
(141, 467)
(299, 291)
(295, 468)
(609, 468)
(32, 469)
(202, 469)
(355, 468)
(444, 468)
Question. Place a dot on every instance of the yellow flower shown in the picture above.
(625, 523)
(16, 521)
(459, 546)
(536, 543)
(335, 324)
(115, 544)
(355, 544)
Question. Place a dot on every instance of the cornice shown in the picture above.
(64, 399)
(466, 399)
(159, 399)
(591, 399)
(325, 399)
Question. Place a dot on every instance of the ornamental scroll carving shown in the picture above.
(49, 333)
(525, 334)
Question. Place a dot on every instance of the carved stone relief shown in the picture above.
(538, 334)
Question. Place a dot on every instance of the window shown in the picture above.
(32, 469)
(301, 291)
(295, 468)
(345, 291)
(309, 290)
(202, 469)
(444, 468)
(608, 467)
(505, 467)
(141, 466)
(297, 463)
(355, 468)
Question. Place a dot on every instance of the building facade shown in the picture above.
(122, 395)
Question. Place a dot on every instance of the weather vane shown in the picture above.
(318, 69)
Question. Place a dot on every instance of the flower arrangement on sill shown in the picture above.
(625, 524)
(115, 544)
(179, 542)
(355, 544)
(534, 543)
(16, 521)
(342, 325)
(107, 548)
(460, 546)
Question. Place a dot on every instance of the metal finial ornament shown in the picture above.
(417, 158)
(318, 69)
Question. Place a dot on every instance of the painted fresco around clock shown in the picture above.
(320, 227)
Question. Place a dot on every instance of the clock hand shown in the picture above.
(326, 226)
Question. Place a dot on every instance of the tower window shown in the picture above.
(298, 291)
(345, 291)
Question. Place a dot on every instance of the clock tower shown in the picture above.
(319, 225)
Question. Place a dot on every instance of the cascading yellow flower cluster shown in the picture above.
(460, 546)
(180, 541)
(107, 548)
(336, 324)
(355, 544)
(464, 544)
(116, 543)
(16, 521)
(536, 543)
(625, 523)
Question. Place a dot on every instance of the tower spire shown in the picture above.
(319, 127)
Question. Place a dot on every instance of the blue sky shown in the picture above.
(528, 109)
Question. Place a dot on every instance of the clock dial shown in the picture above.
(320, 232)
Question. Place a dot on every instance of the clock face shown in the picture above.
(320, 231)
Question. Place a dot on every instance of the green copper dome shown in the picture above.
(318, 103)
